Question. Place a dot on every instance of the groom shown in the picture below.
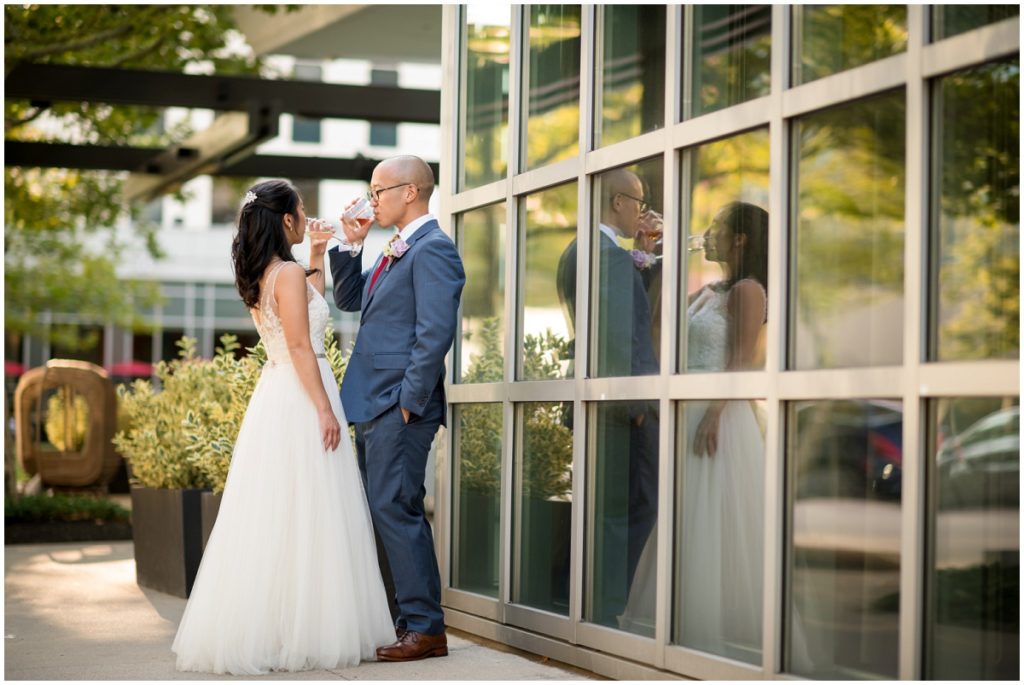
(393, 390)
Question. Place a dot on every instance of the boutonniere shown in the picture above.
(395, 248)
(643, 260)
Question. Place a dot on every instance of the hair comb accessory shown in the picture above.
(249, 197)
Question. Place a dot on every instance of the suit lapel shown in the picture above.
(368, 297)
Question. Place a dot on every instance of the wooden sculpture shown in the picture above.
(96, 462)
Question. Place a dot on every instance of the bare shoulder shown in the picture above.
(290, 276)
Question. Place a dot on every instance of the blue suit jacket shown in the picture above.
(406, 328)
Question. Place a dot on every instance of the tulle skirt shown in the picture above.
(723, 538)
(289, 579)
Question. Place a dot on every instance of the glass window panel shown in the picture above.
(626, 242)
(632, 94)
(230, 309)
(543, 527)
(548, 310)
(973, 611)
(174, 306)
(553, 73)
(731, 55)
(849, 237)
(477, 497)
(833, 38)
(622, 543)
(485, 116)
(720, 534)
(950, 20)
(843, 540)
(978, 213)
(727, 249)
(482, 342)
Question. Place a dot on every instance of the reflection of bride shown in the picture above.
(723, 473)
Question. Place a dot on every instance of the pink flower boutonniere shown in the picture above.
(643, 260)
(395, 248)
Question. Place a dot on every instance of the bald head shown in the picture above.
(410, 169)
(620, 181)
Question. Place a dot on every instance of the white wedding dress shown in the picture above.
(289, 579)
(720, 563)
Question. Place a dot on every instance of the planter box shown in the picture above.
(168, 534)
(21, 533)
(209, 508)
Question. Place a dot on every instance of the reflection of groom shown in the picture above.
(393, 390)
(624, 347)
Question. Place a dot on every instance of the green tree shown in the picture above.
(60, 242)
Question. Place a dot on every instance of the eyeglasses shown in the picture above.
(374, 195)
(644, 204)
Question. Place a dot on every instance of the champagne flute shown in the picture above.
(320, 229)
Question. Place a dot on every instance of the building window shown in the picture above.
(972, 625)
(543, 527)
(477, 488)
(731, 51)
(309, 191)
(848, 244)
(834, 38)
(627, 225)
(976, 215)
(484, 119)
(952, 20)
(633, 72)
(306, 130)
(727, 255)
(719, 535)
(548, 274)
(622, 515)
(482, 342)
(226, 199)
(843, 544)
(383, 134)
(552, 123)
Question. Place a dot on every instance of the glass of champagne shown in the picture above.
(695, 243)
(320, 228)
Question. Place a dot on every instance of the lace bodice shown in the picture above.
(707, 342)
(269, 326)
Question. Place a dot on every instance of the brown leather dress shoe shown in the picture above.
(414, 646)
(399, 632)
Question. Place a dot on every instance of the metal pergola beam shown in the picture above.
(114, 158)
(46, 83)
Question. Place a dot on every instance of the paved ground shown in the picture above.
(74, 612)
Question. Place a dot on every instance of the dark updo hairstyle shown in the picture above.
(260, 236)
(751, 221)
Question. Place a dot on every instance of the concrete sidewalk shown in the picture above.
(74, 612)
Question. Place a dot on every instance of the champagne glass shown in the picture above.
(695, 243)
(320, 228)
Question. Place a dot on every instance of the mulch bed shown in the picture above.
(64, 531)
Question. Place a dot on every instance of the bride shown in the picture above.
(723, 473)
(289, 579)
(720, 560)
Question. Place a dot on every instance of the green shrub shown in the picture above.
(183, 436)
(39, 508)
(547, 473)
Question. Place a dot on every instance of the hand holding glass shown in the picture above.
(358, 215)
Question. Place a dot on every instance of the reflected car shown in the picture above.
(850, 448)
(980, 467)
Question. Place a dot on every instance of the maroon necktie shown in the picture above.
(380, 269)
